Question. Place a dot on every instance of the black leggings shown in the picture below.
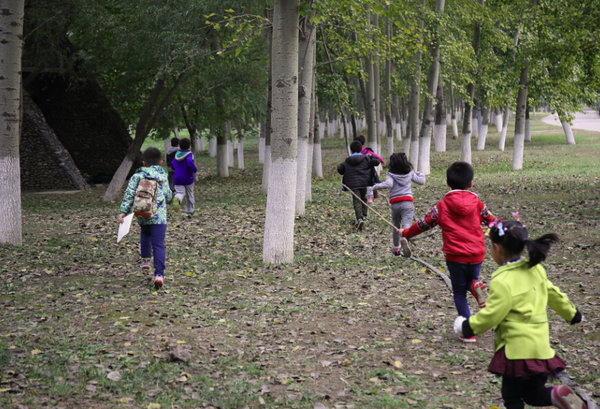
(531, 390)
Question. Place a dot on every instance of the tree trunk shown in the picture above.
(267, 159)
(261, 145)
(240, 150)
(415, 94)
(153, 110)
(527, 125)
(453, 120)
(317, 163)
(212, 146)
(11, 49)
(502, 141)
(566, 128)
(469, 103)
(439, 132)
(306, 49)
(519, 142)
(278, 243)
(311, 137)
(485, 119)
(498, 119)
(433, 76)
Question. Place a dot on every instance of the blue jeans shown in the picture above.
(152, 240)
(461, 275)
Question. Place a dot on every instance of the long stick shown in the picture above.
(371, 208)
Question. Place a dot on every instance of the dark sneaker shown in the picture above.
(158, 281)
(145, 264)
(564, 397)
(360, 224)
(477, 288)
(396, 252)
(467, 340)
(405, 249)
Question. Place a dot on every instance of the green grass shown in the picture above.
(326, 329)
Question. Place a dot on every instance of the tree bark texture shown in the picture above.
(11, 49)
(306, 49)
(278, 243)
(519, 142)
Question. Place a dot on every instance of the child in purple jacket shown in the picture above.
(184, 173)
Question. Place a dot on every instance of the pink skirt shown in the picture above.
(518, 368)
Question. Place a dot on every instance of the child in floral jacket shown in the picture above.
(153, 230)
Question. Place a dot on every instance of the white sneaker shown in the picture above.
(405, 247)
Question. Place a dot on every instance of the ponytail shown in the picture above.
(538, 248)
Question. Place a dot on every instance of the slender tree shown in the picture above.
(11, 48)
(278, 244)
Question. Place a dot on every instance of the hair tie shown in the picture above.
(497, 223)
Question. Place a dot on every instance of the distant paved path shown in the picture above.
(588, 120)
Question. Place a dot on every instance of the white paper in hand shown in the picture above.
(124, 227)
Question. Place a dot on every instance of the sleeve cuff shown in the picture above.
(577, 318)
(467, 331)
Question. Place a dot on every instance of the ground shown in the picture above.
(346, 326)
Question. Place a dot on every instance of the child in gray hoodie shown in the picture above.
(398, 179)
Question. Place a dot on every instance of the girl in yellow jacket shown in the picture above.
(519, 293)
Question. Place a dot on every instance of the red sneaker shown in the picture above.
(564, 397)
(145, 264)
(158, 282)
(468, 340)
(478, 290)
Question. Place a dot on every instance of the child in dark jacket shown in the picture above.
(185, 171)
(357, 171)
(460, 215)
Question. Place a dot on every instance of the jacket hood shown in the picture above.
(181, 155)
(155, 172)
(461, 202)
(354, 160)
(401, 179)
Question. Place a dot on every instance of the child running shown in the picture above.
(375, 176)
(170, 155)
(520, 292)
(398, 179)
(153, 230)
(184, 173)
(460, 215)
(357, 170)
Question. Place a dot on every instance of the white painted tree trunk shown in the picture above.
(261, 149)
(212, 146)
(266, 170)
(398, 131)
(498, 120)
(11, 231)
(519, 142)
(454, 128)
(568, 132)
(240, 152)
(317, 160)
(465, 148)
(222, 160)
(176, 132)
(527, 130)
(390, 146)
(199, 141)
(306, 48)
(484, 129)
(505, 117)
(439, 137)
(475, 124)
(424, 154)
(278, 243)
(166, 144)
